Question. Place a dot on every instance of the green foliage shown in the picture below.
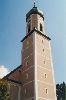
(4, 95)
(60, 91)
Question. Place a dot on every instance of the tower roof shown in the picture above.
(38, 32)
(34, 10)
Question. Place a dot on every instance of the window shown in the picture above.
(27, 63)
(44, 62)
(42, 41)
(25, 90)
(19, 71)
(46, 91)
(45, 75)
(28, 28)
(26, 75)
(41, 29)
(43, 50)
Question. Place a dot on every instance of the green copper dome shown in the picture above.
(34, 10)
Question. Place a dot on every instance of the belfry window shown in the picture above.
(41, 28)
(28, 28)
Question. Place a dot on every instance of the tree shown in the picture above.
(61, 91)
(4, 95)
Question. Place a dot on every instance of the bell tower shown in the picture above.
(38, 81)
(34, 19)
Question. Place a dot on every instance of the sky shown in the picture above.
(13, 29)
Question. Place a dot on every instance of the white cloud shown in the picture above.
(3, 71)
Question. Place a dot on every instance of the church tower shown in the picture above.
(37, 69)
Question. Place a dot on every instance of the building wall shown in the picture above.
(37, 74)
(14, 91)
(27, 91)
(16, 75)
(45, 79)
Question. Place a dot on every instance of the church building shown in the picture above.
(34, 78)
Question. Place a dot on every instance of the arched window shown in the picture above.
(28, 28)
(41, 28)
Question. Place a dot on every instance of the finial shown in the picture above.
(34, 3)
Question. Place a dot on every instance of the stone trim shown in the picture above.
(28, 82)
(38, 32)
(45, 83)
(44, 68)
(52, 72)
(13, 81)
(19, 93)
(44, 98)
(29, 98)
(35, 66)
(28, 69)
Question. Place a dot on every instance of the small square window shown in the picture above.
(43, 50)
(44, 62)
(42, 41)
(19, 71)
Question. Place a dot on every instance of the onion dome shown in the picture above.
(34, 10)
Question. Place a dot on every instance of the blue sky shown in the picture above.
(13, 29)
